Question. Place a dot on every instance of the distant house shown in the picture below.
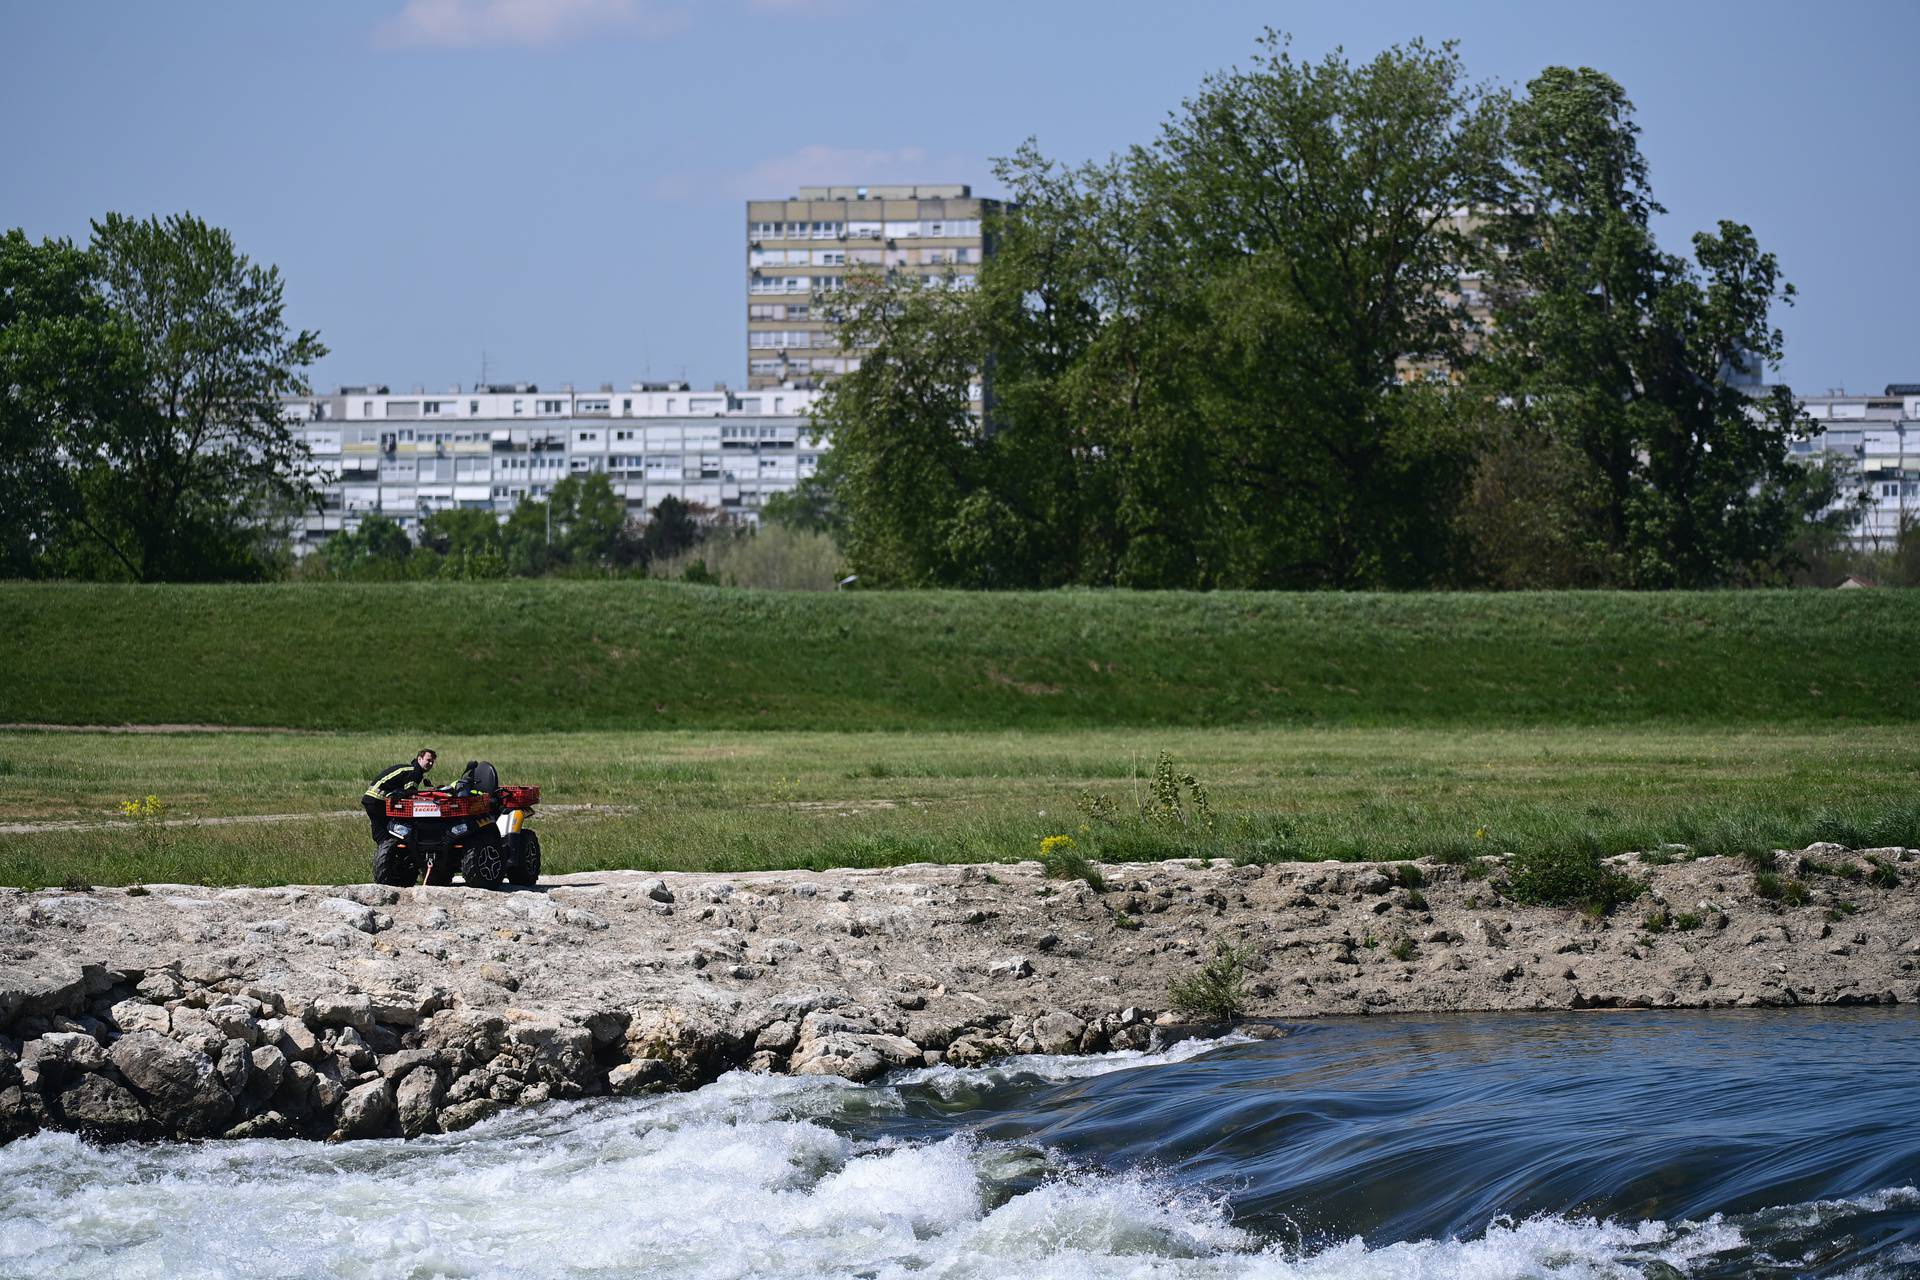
(1855, 580)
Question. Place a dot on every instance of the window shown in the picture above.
(519, 406)
(626, 406)
(473, 408)
(547, 406)
(431, 406)
(366, 408)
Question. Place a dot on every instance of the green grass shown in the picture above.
(740, 800)
(474, 658)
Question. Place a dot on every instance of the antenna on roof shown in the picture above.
(483, 366)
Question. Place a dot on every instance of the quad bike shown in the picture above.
(475, 826)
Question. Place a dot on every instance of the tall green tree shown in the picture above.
(186, 475)
(1202, 358)
(68, 365)
(1622, 351)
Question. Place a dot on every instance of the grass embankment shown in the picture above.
(724, 801)
(475, 658)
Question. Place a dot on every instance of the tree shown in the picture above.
(377, 550)
(67, 365)
(1622, 351)
(813, 505)
(672, 527)
(1203, 359)
(185, 476)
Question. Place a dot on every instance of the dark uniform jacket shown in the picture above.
(399, 780)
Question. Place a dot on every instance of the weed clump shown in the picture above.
(1164, 806)
(1686, 922)
(1570, 877)
(1774, 888)
(1402, 949)
(1657, 921)
(1121, 920)
(1409, 876)
(1218, 993)
(1063, 860)
(1884, 874)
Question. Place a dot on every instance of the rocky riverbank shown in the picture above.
(362, 1011)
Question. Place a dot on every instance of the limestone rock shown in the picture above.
(179, 1087)
(642, 1075)
(417, 1101)
(97, 1106)
(137, 1015)
(1058, 1032)
(367, 1111)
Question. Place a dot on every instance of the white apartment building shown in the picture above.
(408, 455)
(1876, 439)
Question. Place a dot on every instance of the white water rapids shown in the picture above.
(745, 1178)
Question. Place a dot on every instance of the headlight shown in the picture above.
(400, 829)
(459, 829)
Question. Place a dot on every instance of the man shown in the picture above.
(401, 780)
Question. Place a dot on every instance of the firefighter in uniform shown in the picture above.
(401, 780)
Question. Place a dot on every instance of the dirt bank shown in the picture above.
(364, 1011)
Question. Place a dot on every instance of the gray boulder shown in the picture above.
(367, 1111)
(1058, 1032)
(96, 1105)
(417, 1101)
(59, 1054)
(180, 1087)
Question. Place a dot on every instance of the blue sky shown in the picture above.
(559, 183)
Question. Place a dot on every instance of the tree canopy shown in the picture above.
(1340, 324)
(141, 388)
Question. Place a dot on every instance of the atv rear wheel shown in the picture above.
(393, 865)
(523, 858)
(484, 865)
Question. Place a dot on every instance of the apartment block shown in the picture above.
(489, 447)
(804, 246)
(1875, 441)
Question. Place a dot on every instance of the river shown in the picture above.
(1580, 1145)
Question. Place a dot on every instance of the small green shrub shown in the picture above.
(1063, 861)
(1121, 920)
(1658, 921)
(1686, 922)
(1218, 992)
(1776, 888)
(1409, 875)
(1884, 874)
(1164, 803)
(1570, 877)
(1402, 949)
(1416, 900)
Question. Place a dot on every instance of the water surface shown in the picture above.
(1781, 1143)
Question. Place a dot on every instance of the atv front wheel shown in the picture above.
(484, 866)
(523, 860)
(393, 865)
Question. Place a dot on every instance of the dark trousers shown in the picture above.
(376, 816)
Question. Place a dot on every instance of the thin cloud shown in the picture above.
(472, 24)
(821, 165)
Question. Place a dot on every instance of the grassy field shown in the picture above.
(618, 656)
(718, 800)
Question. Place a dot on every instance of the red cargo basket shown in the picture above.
(440, 804)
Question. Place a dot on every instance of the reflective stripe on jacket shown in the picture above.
(400, 778)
